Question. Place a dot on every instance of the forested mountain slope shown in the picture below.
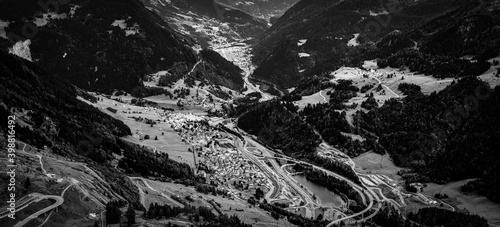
(261, 8)
(317, 37)
(186, 15)
(49, 114)
(455, 44)
(102, 45)
(446, 136)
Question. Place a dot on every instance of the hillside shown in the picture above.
(261, 8)
(104, 45)
(317, 37)
(206, 20)
(446, 136)
(57, 120)
(251, 113)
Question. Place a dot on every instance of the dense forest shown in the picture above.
(298, 220)
(409, 89)
(209, 189)
(446, 218)
(329, 119)
(450, 135)
(440, 66)
(146, 163)
(390, 216)
(330, 125)
(279, 128)
(329, 25)
(217, 70)
(423, 36)
(203, 216)
(310, 85)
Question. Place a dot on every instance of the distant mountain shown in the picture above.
(471, 29)
(107, 45)
(315, 37)
(261, 8)
(206, 20)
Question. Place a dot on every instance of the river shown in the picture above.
(327, 197)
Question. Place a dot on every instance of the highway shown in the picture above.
(242, 147)
(307, 199)
(309, 202)
(59, 201)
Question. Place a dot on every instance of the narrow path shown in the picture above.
(41, 164)
(143, 200)
(189, 73)
(324, 98)
(384, 86)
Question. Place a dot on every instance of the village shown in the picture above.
(216, 158)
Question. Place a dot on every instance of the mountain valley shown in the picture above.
(250, 113)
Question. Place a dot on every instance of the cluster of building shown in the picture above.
(227, 164)
(194, 130)
(213, 149)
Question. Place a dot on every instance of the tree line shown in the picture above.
(202, 216)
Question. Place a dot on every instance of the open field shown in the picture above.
(299, 210)
(170, 142)
(373, 163)
(473, 203)
(378, 76)
(316, 98)
(489, 76)
(426, 82)
(166, 102)
(414, 204)
(153, 193)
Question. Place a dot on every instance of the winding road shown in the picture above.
(59, 201)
